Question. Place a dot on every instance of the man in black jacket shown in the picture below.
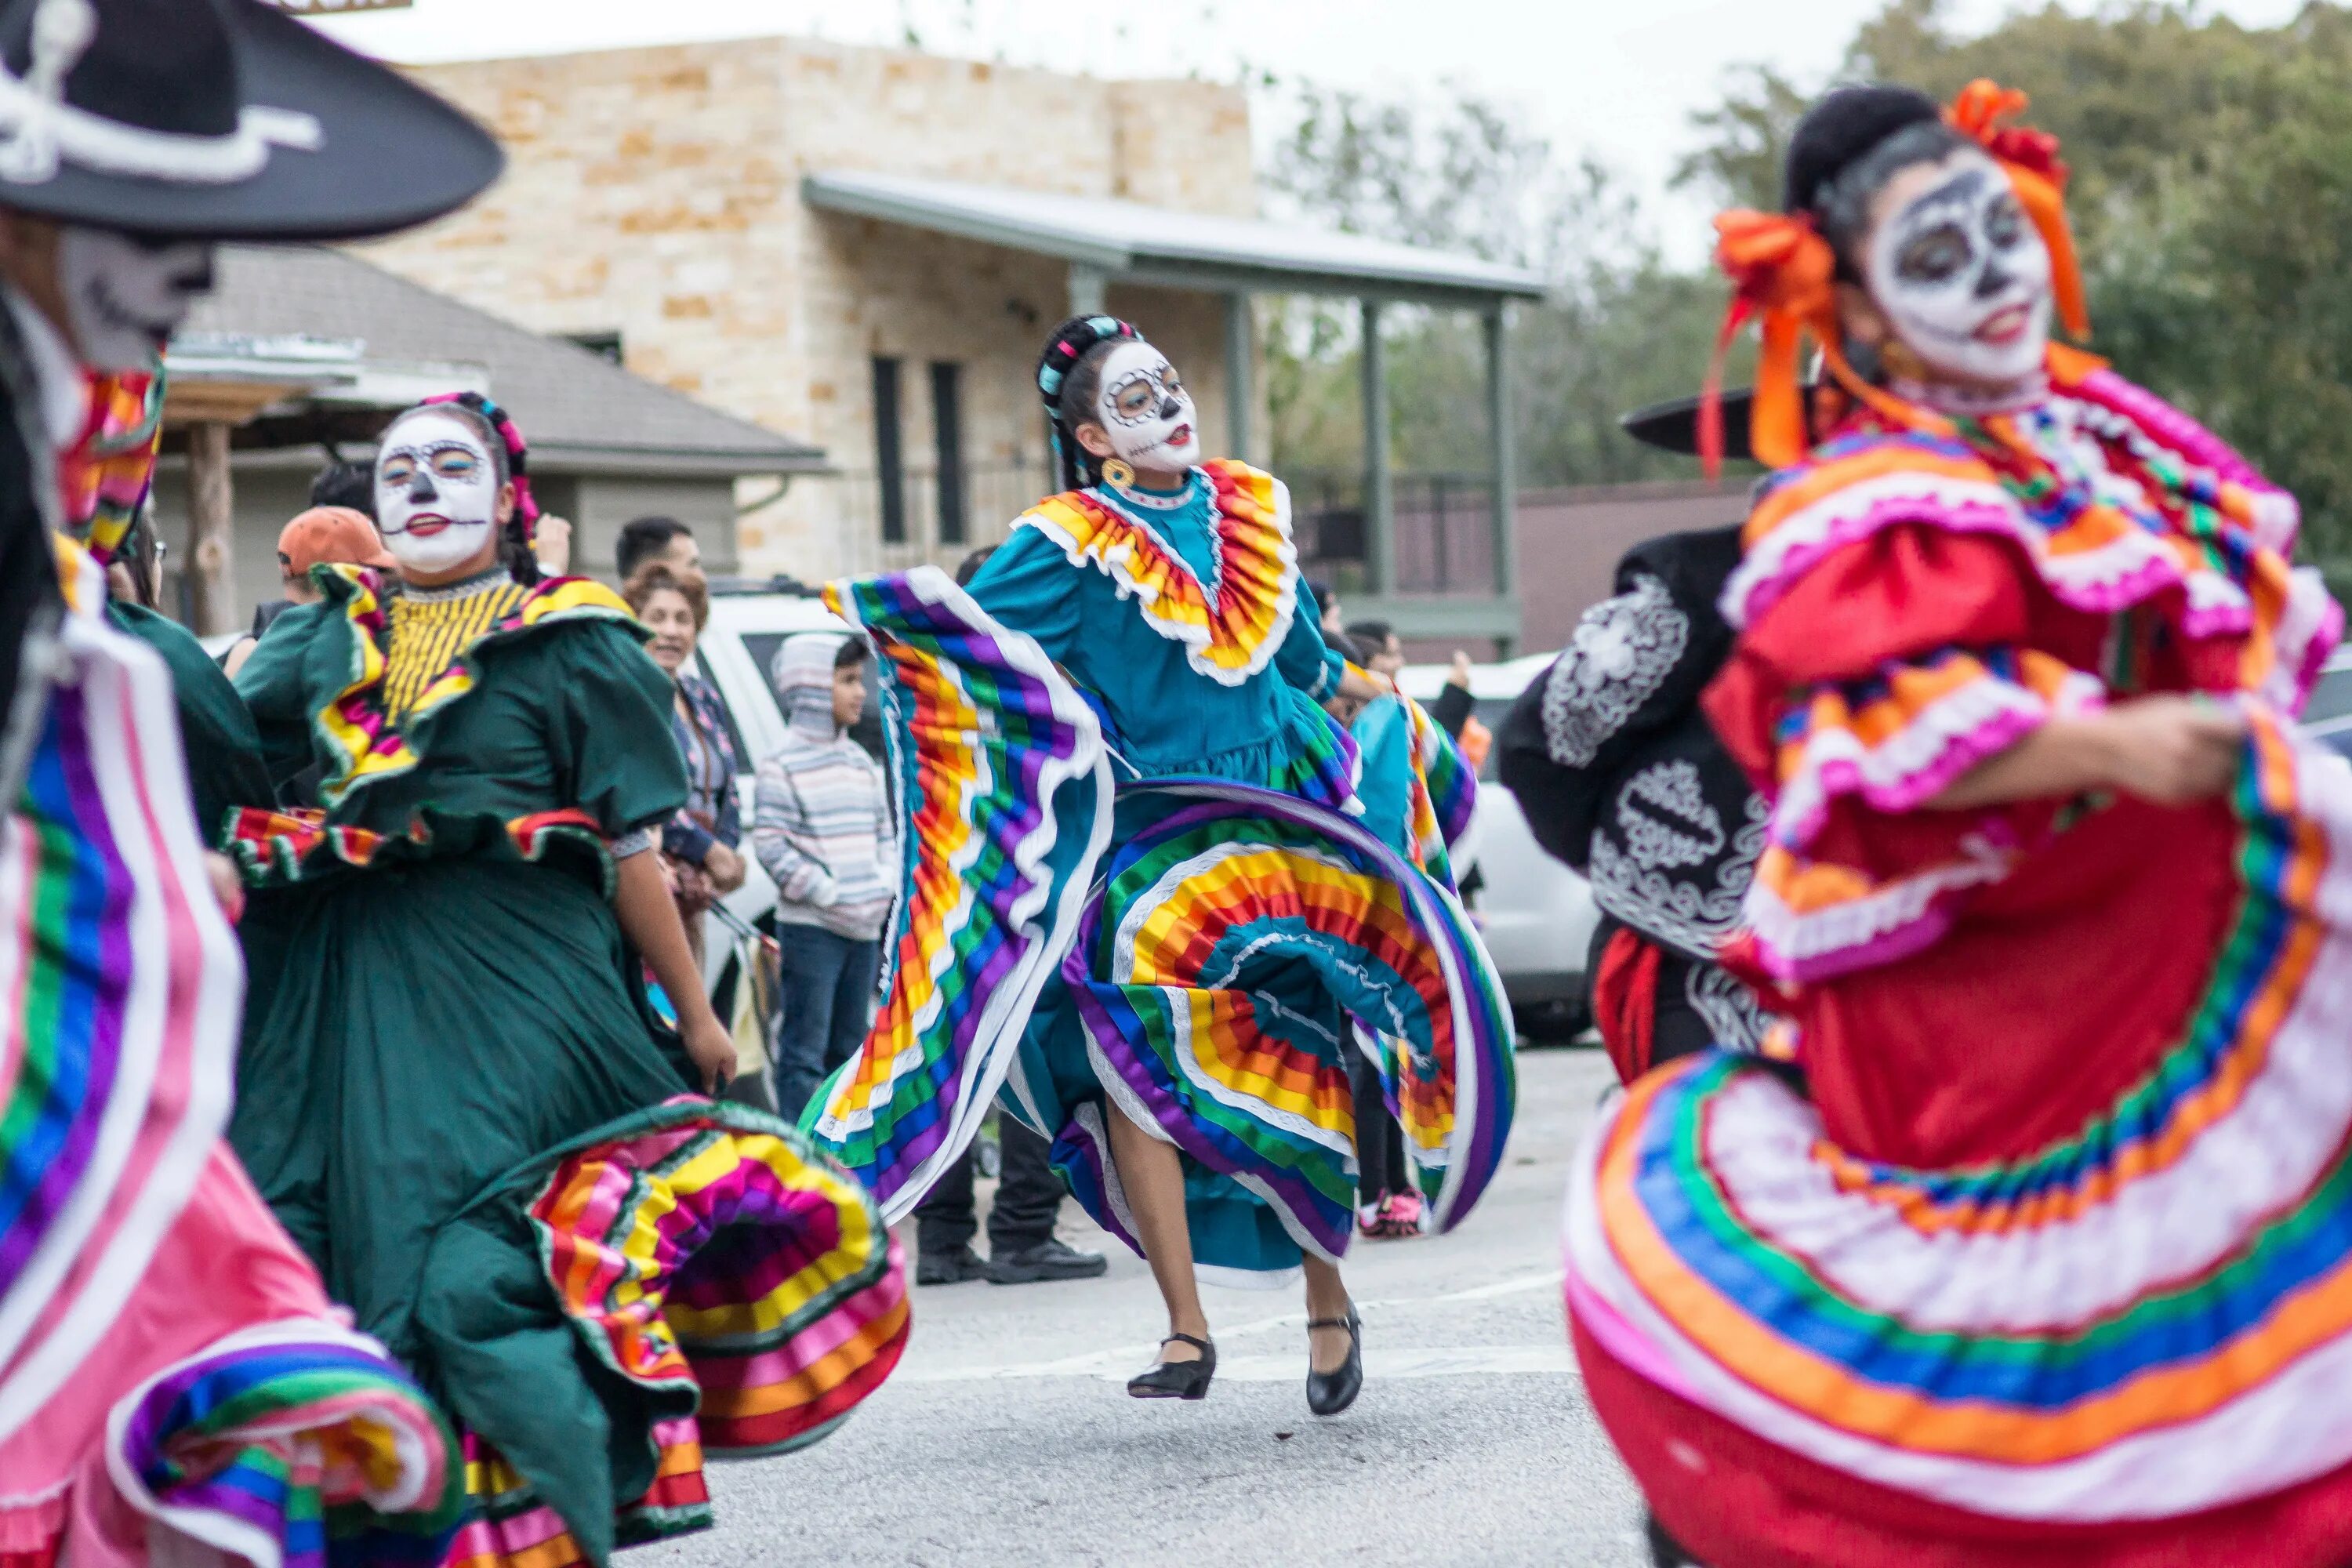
(1620, 775)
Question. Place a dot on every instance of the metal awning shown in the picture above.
(1183, 249)
(1106, 240)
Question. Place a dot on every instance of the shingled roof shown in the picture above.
(582, 412)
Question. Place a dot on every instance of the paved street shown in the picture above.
(1005, 1438)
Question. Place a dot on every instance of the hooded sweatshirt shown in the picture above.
(821, 814)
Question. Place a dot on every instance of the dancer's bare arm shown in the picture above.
(649, 920)
(2171, 750)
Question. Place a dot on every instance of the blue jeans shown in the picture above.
(821, 1013)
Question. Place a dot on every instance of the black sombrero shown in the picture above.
(1673, 425)
(219, 119)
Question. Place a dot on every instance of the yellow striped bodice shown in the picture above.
(431, 627)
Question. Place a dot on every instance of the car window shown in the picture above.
(1491, 711)
(2331, 698)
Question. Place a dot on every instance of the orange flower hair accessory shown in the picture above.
(2029, 158)
(1784, 278)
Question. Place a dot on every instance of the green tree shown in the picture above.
(1460, 172)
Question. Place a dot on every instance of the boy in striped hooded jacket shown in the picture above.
(821, 829)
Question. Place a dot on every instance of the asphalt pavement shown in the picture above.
(1006, 1437)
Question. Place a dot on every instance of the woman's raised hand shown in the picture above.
(712, 1049)
(725, 867)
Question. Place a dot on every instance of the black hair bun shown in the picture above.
(1838, 129)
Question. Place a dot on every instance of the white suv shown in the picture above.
(1535, 914)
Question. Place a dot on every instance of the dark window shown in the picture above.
(604, 345)
(890, 453)
(947, 427)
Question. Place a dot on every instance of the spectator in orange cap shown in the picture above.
(322, 536)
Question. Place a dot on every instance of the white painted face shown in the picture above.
(1145, 410)
(436, 491)
(1962, 273)
(125, 297)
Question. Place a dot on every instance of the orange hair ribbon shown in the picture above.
(2031, 160)
(1783, 277)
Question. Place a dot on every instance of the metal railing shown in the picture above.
(1445, 534)
(1445, 529)
(994, 494)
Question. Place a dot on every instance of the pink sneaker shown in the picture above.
(1399, 1218)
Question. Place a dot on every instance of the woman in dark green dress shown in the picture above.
(453, 1091)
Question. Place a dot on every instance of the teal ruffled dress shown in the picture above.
(1142, 880)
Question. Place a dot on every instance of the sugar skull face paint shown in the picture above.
(1961, 272)
(1145, 411)
(126, 297)
(436, 491)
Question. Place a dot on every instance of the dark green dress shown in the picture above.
(217, 732)
(442, 1001)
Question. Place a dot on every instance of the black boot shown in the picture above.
(950, 1268)
(1330, 1393)
(1177, 1379)
(1049, 1260)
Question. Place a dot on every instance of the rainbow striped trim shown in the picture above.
(1892, 743)
(123, 981)
(2150, 1320)
(506, 1525)
(104, 476)
(287, 1445)
(358, 737)
(1201, 922)
(2191, 525)
(1229, 630)
(1901, 737)
(1444, 797)
(1004, 769)
(279, 847)
(781, 1340)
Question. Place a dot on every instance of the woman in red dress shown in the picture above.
(2043, 1253)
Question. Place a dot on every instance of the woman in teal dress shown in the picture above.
(453, 1091)
(1139, 899)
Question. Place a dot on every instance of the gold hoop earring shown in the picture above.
(1900, 360)
(1116, 474)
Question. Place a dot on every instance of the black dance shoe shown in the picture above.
(1330, 1393)
(1177, 1379)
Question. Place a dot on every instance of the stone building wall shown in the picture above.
(656, 193)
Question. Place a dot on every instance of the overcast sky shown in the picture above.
(1616, 77)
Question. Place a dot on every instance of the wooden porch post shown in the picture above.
(1240, 355)
(1379, 491)
(1503, 486)
(212, 527)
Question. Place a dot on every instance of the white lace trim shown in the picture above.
(1113, 563)
(1894, 775)
(1790, 940)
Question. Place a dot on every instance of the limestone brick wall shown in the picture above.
(657, 192)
